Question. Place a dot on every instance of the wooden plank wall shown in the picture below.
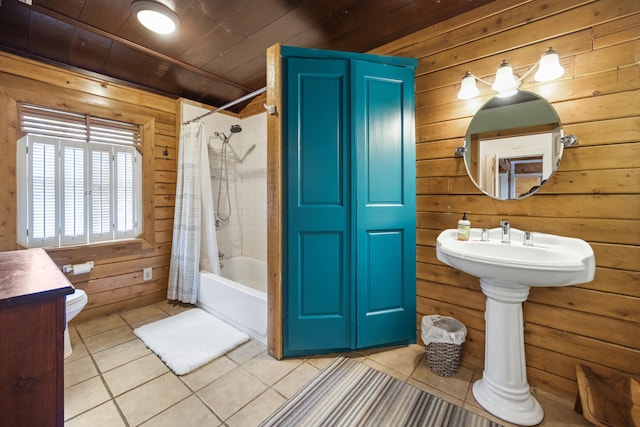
(115, 283)
(594, 195)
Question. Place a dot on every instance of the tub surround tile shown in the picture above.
(148, 400)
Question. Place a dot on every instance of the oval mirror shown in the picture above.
(513, 145)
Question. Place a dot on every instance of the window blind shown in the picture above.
(62, 124)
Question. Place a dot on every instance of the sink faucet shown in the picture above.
(506, 231)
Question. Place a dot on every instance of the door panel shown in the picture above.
(385, 206)
(318, 287)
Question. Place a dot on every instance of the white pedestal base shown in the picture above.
(503, 389)
(526, 412)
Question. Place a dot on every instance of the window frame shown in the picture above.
(101, 142)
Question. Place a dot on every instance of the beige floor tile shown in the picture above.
(84, 396)
(106, 415)
(401, 359)
(402, 376)
(270, 370)
(173, 307)
(559, 412)
(79, 370)
(322, 361)
(457, 386)
(246, 351)
(191, 412)
(143, 315)
(208, 373)
(133, 374)
(148, 400)
(231, 392)
(77, 346)
(100, 325)
(108, 339)
(475, 408)
(296, 379)
(257, 410)
(437, 393)
(120, 355)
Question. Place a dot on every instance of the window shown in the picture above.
(79, 179)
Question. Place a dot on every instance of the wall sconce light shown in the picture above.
(507, 83)
(155, 16)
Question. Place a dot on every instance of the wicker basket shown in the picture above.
(443, 358)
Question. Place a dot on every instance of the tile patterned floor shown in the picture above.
(112, 379)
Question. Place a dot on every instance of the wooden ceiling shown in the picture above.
(217, 53)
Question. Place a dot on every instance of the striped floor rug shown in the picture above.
(349, 393)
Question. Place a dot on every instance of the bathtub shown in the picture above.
(238, 296)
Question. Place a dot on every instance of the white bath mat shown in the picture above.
(190, 339)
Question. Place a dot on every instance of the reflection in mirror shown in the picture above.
(513, 145)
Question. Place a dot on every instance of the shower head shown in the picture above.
(234, 129)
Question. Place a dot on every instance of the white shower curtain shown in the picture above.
(194, 235)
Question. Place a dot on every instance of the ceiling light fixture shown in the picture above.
(507, 83)
(155, 16)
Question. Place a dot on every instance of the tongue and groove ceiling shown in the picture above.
(217, 53)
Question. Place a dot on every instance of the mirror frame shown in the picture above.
(517, 121)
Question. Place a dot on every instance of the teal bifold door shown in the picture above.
(349, 191)
(319, 291)
(385, 220)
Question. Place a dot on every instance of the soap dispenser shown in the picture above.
(464, 228)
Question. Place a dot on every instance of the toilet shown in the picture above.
(75, 303)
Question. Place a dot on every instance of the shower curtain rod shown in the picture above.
(230, 104)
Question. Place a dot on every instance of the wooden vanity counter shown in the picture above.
(32, 323)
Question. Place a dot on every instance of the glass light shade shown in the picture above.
(155, 16)
(507, 93)
(468, 88)
(505, 80)
(549, 67)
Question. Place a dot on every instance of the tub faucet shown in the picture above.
(506, 231)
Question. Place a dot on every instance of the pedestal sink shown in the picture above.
(507, 271)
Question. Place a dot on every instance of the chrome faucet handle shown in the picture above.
(528, 240)
(506, 231)
(484, 235)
